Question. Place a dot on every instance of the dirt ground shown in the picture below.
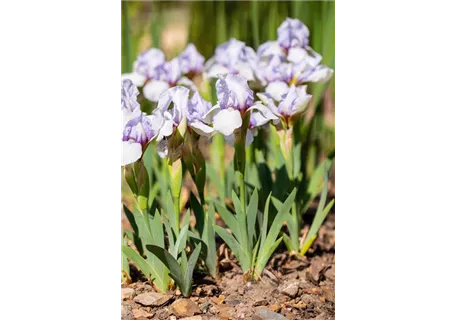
(290, 288)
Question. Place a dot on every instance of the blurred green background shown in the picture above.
(170, 25)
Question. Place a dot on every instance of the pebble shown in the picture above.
(266, 314)
(138, 313)
(127, 293)
(152, 299)
(184, 308)
(290, 289)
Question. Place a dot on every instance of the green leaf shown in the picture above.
(315, 184)
(181, 241)
(264, 228)
(208, 237)
(130, 178)
(125, 264)
(136, 236)
(241, 222)
(159, 279)
(199, 213)
(316, 224)
(261, 264)
(320, 216)
(168, 260)
(190, 267)
(288, 243)
(229, 219)
(293, 229)
(238, 251)
(169, 232)
(252, 210)
(171, 214)
(215, 180)
(142, 264)
(263, 255)
(254, 255)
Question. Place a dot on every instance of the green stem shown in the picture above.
(175, 171)
(241, 182)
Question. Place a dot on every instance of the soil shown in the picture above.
(290, 288)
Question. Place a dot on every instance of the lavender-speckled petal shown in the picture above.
(129, 94)
(191, 60)
(270, 48)
(139, 129)
(319, 74)
(295, 102)
(149, 63)
(293, 33)
(234, 92)
(172, 71)
(197, 108)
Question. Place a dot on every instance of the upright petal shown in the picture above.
(227, 120)
(295, 102)
(153, 89)
(191, 60)
(197, 107)
(149, 62)
(293, 33)
(139, 129)
(277, 90)
(173, 71)
(233, 91)
(129, 94)
(286, 105)
(302, 102)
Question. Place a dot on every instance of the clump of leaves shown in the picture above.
(251, 248)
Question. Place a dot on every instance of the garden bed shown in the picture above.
(291, 288)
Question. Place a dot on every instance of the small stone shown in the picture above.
(316, 290)
(321, 316)
(193, 318)
(178, 292)
(215, 300)
(241, 291)
(290, 289)
(232, 301)
(299, 305)
(260, 303)
(162, 313)
(330, 274)
(266, 314)
(210, 290)
(139, 313)
(128, 293)
(198, 291)
(172, 318)
(314, 272)
(275, 308)
(152, 299)
(328, 294)
(184, 308)
(226, 312)
(126, 313)
(205, 307)
(194, 299)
